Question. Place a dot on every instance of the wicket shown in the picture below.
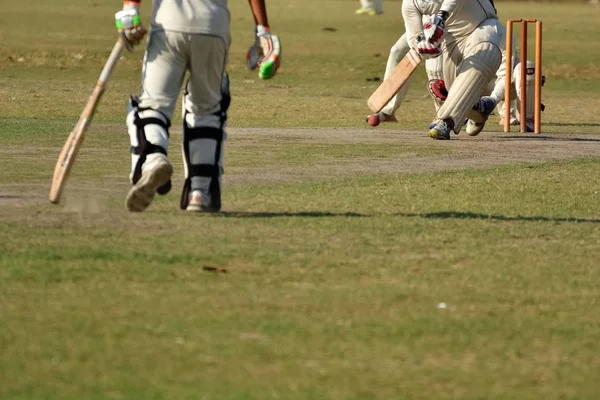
(538, 73)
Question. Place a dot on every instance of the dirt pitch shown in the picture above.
(419, 154)
(461, 152)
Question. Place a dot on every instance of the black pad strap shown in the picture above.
(142, 122)
(147, 148)
(207, 170)
(203, 133)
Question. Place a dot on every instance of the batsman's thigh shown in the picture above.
(491, 31)
(452, 57)
(163, 71)
(207, 65)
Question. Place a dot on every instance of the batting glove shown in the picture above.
(271, 52)
(428, 50)
(434, 28)
(129, 24)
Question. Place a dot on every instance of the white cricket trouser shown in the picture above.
(169, 55)
(470, 66)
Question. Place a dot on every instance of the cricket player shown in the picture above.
(370, 7)
(469, 37)
(496, 95)
(193, 36)
(438, 91)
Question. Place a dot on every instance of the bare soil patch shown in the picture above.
(462, 152)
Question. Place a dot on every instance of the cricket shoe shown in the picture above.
(484, 107)
(156, 172)
(513, 120)
(204, 201)
(441, 129)
(362, 11)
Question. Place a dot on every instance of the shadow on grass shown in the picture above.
(572, 124)
(310, 214)
(534, 136)
(471, 215)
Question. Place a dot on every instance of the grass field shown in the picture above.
(349, 262)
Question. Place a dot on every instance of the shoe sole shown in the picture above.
(436, 135)
(142, 193)
(195, 208)
(477, 132)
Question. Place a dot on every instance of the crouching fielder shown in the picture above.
(496, 97)
(467, 34)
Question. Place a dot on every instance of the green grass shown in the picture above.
(324, 275)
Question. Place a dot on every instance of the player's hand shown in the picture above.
(434, 28)
(129, 24)
(270, 52)
(428, 50)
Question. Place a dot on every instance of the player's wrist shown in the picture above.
(262, 30)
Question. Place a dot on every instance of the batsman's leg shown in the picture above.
(149, 119)
(483, 56)
(436, 85)
(205, 107)
(397, 53)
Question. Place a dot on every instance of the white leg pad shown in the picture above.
(529, 87)
(475, 72)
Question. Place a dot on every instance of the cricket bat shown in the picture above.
(394, 82)
(67, 156)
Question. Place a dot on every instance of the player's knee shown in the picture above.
(149, 133)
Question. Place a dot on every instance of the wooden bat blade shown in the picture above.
(69, 151)
(394, 82)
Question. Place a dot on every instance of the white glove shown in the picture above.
(428, 50)
(270, 52)
(434, 28)
(129, 25)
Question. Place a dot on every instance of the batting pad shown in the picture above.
(474, 74)
(529, 87)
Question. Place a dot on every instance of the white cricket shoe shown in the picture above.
(440, 129)
(202, 201)
(156, 171)
(513, 119)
